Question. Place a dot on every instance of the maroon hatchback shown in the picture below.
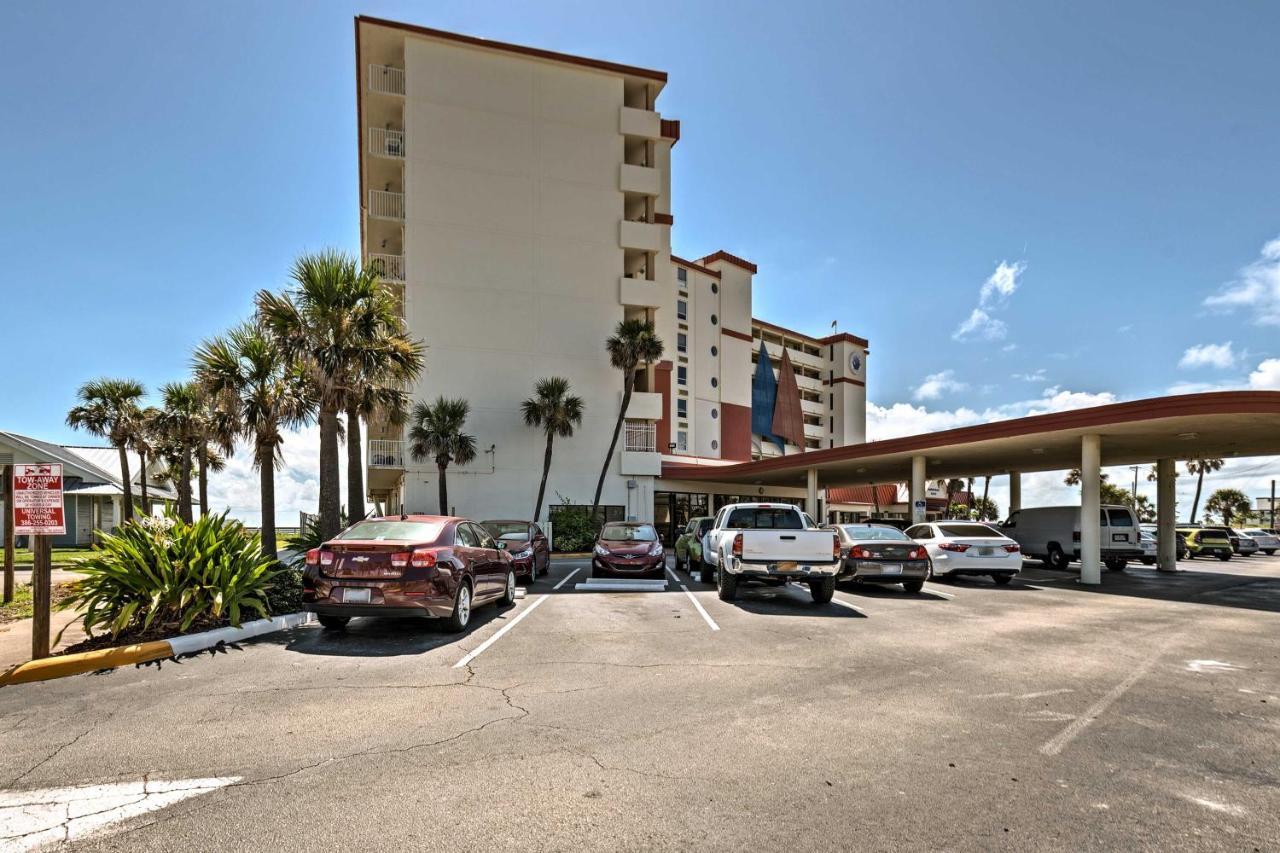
(628, 549)
(428, 566)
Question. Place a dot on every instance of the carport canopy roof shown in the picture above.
(1223, 424)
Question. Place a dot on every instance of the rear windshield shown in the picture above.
(413, 531)
(505, 529)
(858, 531)
(1120, 517)
(760, 518)
(967, 530)
(1213, 536)
(627, 533)
(704, 525)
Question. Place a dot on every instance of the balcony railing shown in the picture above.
(386, 79)
(386, 205)
(385, 453)
(390, 267)
(386, 143)
(641, 437)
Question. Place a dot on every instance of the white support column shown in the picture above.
(811, 494)
(1166, 521)
(917, 490)
(1015, 491)
(1090, 509)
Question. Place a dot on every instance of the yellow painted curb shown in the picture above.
(64, 665)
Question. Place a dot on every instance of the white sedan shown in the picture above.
(968, 548)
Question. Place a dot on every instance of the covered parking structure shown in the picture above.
(1163, 430)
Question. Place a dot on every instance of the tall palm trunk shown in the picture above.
(355, 466)
(627, 385)
(875, 498)
(126, 484)
(330, 499)
(202, 459)
(267, 486)
(1195, 504)
(142, 482)
(184, 486)
(442, 463)
(546, 470)
(986, 489)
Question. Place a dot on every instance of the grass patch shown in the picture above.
(23, 557)
(20, 607)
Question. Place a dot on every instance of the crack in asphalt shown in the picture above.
(52, 755)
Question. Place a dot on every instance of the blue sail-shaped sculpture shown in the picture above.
(764, 395)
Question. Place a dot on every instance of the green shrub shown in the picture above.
(164, 574)
(572, 527)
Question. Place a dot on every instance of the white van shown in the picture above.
(1052, 534)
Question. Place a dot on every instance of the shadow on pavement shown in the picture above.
(1203, 584)
(377, 637)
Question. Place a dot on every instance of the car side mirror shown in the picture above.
(502, 546)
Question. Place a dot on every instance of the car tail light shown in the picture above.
(959, 548)
(313, 557)
(424, 558)
(1012, 549)
(326, 558)
(400, 559)
(835, 547)
(737, 545)
(857, 552)
(918, 554)
(1075, 537)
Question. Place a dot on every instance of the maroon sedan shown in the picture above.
(526, 543)
(429, 566)
(628, 549)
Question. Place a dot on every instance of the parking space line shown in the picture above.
(835, 599)
(472, 655)
(935, 591)
(697, 604)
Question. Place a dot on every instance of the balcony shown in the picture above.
(640, 436)
(384, 453)
(386, 79)
(644, 236)
(645, 406)
(639, 292)
(384, 142)
(390, 267)
(634, 122)
(644, 180)
(386, 205)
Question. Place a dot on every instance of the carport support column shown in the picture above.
(1090, 509)
(917, 490)
(1015, 491)
(811, 494)
(1166, 521)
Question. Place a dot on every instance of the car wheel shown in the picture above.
(1148, 561)
(913, 586)
(509, 594)
(461, 615)
(1269, 552)
(1057, 558)
(679, 565)
(707, 573)
(533, 573)
(1002, 580)
(1224, 557)
(823, 589)
(1114, 564)
(727, 586)
(334, 623)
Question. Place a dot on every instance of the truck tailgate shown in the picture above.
(793, 546)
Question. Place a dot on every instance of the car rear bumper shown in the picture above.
(873, 571)
(1116, 553)
(603, 567)
(327, 608)
(781, 569)
(960, 564)
(422, 599)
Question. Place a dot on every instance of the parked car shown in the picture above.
(773, 544)
(1152, 531)
(688, 548)
(1206, 542)
(878, 553)
(969, 548)
(526, 543)
(628, 549)
(428, 566)
(1268, 543)
(1052, 534)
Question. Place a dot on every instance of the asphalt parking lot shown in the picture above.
(1041, 715)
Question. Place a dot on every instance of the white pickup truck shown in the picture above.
(771, 543)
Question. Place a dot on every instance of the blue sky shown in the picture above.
(1097, 171)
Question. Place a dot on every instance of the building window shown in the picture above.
(682, 342)
(682, 375)
(715, 288)
(682, 274)
(715, 352)
(831, 402)
(831, 423)
(682, 408)
(682, 440)
(715, 382)
(714, 319)
(682, 309)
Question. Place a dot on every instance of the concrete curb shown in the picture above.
(64, 665)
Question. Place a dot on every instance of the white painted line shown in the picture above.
(565, 579)
(472, 655)
(1059, 742)
(844, 603)
(933, 591)
(697, 604)
(1044, 693)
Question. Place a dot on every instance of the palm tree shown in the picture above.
(337, 322)
(632, 344)
(1199, 467)
(1073, 477)
(263, 394)
(1228, 503)
(144, 445)
(216, 442)
(181, 427)
(391, 361)
(556, 412)
(435, 432)
(986, 490)
(109, 409)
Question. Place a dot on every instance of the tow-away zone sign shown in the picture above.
(37, 500)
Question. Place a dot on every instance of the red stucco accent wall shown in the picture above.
(735, 432)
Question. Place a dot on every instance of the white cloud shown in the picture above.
(937, 384)
(1036, 375)
(994, 293)
(899, 419)
(1209, 355)
(1266, 377)
(1257, 289)
(1008, 348)
(1127, 327)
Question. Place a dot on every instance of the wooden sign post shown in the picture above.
(8, 534)
(38, 513)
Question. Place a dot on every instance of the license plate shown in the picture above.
(986, 552)
(891, 568)
(351, 595)
(1119, 537)
(785, 567)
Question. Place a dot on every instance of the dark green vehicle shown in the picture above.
(689, 548)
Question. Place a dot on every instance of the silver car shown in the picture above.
(1268, 543)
